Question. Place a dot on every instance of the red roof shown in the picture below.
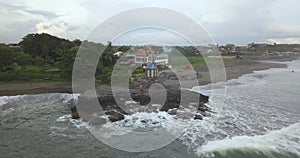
(265, 53)
(141, 52)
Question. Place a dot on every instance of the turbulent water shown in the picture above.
(259, 119)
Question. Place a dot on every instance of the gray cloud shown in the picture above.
(17, 30)
(46, 14)
(229, 21)
(11, 6)
(18, 19)
(247, 21)
(19, 8)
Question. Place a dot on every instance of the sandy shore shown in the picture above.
(233, 69)
(35, 88)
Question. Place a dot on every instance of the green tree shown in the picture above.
(6, 57)
(124, 49)
(22, 59)
(45, 46)
(45, 52)
(108, 58)
(66, 62)
(77, 42)
(39, 61)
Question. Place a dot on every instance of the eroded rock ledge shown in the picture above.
(116, 105)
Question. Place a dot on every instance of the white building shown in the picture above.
(118, 54)
(141, 57)
(162, 59)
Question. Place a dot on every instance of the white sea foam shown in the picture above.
(76, 122)
(50, 97)
(56, 128)
(64, 118)
(69, 97)
(138, 121)
(56, 134)
(285, 139)
(186, 129)
(7, 99)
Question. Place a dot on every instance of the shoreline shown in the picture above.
(233, 69)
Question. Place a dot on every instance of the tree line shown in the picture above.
(39, 52)
(36, 53)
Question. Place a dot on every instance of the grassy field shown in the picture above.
(31, 73)
(195, 61)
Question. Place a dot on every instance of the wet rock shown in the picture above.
(198, 117)
(172, 111)
(106, 101)
(155, 122)
(141, 98)
(114, 116)
(202, 107)
(74, 111)
(143, 121)
(182, 97)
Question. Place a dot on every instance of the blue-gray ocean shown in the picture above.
(260, 119)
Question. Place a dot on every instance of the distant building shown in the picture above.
(15, 46)
(256, 46)
(162, 59)
(241, 48)
(127, 59)
(230, 48)
(141, 57)
(265, 53)
(144, 58)
(119, 53)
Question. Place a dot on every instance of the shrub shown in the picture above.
(39, 61)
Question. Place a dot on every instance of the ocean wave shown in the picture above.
(281, 143)
(36, 98)
(7, 99)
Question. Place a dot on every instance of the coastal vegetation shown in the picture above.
(43, 57)
(46, 58)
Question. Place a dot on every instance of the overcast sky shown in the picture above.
(227, 21)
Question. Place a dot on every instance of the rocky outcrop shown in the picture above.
(198, 117)
(114, 116)
(140, 101)
(74, 111)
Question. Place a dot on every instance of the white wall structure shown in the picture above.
(119, 53)
(162, 59)
(141, 59)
